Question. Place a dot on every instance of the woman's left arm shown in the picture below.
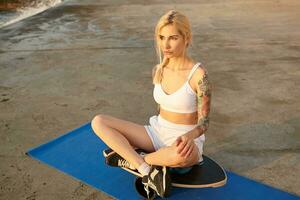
(203, 98)
(203, 108)
(203, 105)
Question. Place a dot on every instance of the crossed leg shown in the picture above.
(123, 136)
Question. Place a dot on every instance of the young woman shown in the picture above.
(175, 137)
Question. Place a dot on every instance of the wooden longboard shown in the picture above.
(205, 174)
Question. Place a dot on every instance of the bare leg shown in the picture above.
(168, 156)
(122, 136)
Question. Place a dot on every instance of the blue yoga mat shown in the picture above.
(79, 154)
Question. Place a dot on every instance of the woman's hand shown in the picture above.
(184, 145)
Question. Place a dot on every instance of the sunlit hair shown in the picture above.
(182, 24)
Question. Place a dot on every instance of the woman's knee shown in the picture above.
(183, 161)
(97, 122)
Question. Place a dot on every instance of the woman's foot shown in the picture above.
(115, 160)
(158, 178)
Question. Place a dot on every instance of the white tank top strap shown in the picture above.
(193, 70)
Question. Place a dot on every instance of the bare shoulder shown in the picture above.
(199, 73)
(155, 67)
(198, 76)
(154, 70)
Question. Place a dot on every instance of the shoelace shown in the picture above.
(146, 187)
(123, 163)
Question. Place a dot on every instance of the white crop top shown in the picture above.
(183, 100)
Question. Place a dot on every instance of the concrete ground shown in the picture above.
(60, 68)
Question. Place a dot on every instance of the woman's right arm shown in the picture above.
(154, 70)
(153, 74)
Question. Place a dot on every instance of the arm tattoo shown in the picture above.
(203, 100)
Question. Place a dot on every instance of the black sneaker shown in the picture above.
(106, 152)
(139, 187)
(115, 160)
(159, 180)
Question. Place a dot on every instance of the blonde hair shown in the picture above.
(182, 24)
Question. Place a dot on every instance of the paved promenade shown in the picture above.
(60, 68)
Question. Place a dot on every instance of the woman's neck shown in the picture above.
(178, 63)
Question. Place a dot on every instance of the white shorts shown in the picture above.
(164, 133)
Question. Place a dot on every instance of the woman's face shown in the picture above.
(171, 42)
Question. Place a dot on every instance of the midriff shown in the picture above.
(179, 118)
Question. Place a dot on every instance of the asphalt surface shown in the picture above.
(60, 68)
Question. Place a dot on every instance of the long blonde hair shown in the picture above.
(182, 24)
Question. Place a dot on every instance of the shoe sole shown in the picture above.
(135, 172)
(166, 182)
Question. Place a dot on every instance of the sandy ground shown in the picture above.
(60, 68)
